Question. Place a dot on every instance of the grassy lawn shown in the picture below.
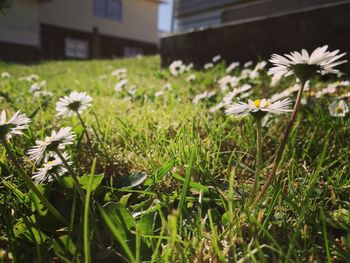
(168, 180)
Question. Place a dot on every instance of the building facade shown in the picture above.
(255, 29)
(79, 29)
(191, 15)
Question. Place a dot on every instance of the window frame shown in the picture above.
(102, 9)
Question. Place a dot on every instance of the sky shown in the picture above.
(164, 16)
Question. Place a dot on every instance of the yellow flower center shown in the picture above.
(257, 104)
(339, 109)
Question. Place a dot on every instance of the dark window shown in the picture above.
(109, 9)
(132, 52)
(76, 48)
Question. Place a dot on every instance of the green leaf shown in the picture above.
(68, 181)
(96, 181)
(37, 205)
(132, 180)
(115, 229)
(146, 224)
(124, 199)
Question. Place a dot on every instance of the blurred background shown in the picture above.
(190, 30)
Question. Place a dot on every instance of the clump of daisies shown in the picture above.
(37, 89)
(50, 152)
(331, 88)
(338, 108)
(258, 109)
(303, 66)
(15, 126)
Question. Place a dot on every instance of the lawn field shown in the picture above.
(157, 172)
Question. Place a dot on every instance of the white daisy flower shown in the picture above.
(5, 75)
(177, 67)
(204, 95)
(231, 95)
(14, 125)
(232, 66)
(167, 86)
(50, 169)
(120, 85)
(208, 66)
(245, 95)
(217, 107)
(216, 58)
(286, 93)
(330, 89)
(30, 78)
(303, 65)
(36, 88)
(345, 95)
(43, 93)
(248, 64)
(103, 77)
(245, 73)
(228, 82)
(189, 67)
(338, 108)
(260, 66)
(119, 72)
(258, 108)
(57, 141)
(191, 78)
(132, 90)
(159, 93)
(76, 102)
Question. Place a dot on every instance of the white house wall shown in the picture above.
(139, 18)
(20, 25)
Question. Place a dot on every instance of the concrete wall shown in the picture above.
(139, 18)
(20, 25)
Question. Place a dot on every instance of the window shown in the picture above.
(132, 52)
(76, 48)
(109, 9)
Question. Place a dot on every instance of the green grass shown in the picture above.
(191, 207)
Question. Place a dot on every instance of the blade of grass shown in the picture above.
(87, 253)
(114, 231)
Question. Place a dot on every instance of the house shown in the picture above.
(243, 30)
(78, 29)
